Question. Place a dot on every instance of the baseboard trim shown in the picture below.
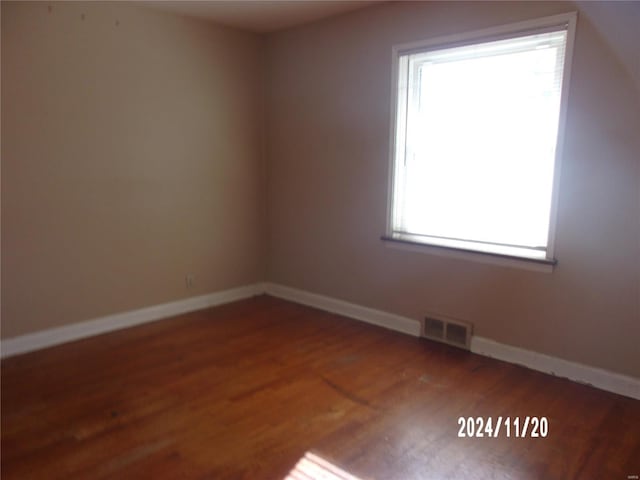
(351, 310)
(595, 377)
(577, 372)
(68, 333)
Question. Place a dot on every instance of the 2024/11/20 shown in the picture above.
(479, 427)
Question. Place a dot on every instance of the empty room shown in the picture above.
(320, 240)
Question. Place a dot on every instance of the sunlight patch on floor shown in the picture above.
(313, 467)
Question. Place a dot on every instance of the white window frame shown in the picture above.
(479, 36)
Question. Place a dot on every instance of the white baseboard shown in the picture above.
(596, 377)
(351, 310)
(67, 333)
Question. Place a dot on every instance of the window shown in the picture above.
(478, 120)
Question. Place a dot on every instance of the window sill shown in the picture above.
(533, 264)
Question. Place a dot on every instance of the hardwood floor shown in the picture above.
(244, 390)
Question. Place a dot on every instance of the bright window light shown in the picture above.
(476, 142)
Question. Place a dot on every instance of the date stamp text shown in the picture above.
(509, 427)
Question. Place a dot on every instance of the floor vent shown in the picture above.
(447, 330)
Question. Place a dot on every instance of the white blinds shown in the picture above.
(475, 141)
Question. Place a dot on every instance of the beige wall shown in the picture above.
(131, 155)
(328, 132)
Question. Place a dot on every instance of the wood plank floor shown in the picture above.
(244, 390)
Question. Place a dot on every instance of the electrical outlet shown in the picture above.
(189, 280)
